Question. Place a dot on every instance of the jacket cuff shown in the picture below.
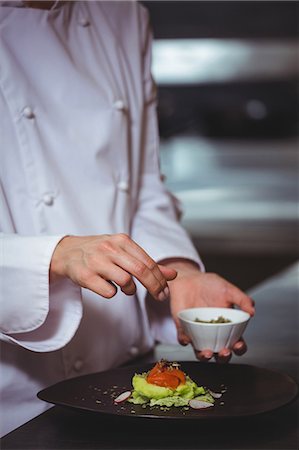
(34, 314)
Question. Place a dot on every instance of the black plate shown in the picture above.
(249, 391)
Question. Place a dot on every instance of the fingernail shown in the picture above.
(238, 345)
(225, 354)
(204, 355)
(166, 292)
(161, 296)
(164, 295)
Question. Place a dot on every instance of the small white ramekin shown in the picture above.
(213, 336)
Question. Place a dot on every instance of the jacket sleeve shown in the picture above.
(156, 224)
(34, 314)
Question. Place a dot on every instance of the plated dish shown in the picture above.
(167, 386)
(248, 390)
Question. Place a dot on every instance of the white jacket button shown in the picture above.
(123, 186)
(84, 22)
(78, 365)
(48, 199)
(119, 105)
(133, 351)
(28, 112)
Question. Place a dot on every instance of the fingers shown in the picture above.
(147, 276)
(204, 355)
(167, 272)
(117, 275)
(99, 286)
(223, 356)
(136, 262)
(140, 255)
(240, 347)
(183, 338)
(93, 261)
(107, 288)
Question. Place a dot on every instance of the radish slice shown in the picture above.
(215, 394)
(122, 397)
(198, 404)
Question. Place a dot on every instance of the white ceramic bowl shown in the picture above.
(213, 336)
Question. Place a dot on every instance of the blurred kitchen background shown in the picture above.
(227, 76)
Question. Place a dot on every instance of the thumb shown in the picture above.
(169, 274)
(183, 338)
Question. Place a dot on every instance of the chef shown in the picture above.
(94, 264)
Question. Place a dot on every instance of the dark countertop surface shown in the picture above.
(272, 338)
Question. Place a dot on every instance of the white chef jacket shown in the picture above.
(79, 155)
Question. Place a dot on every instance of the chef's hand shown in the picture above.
(193, 288)
(100, 263)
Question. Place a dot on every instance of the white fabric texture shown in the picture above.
(79, 155)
